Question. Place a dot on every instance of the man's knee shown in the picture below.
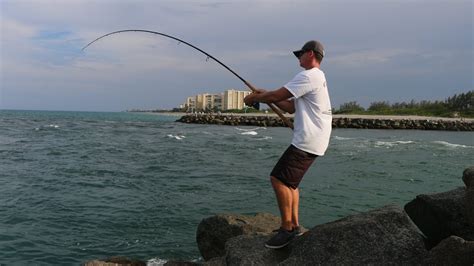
(276, 183)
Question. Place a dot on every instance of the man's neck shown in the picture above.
(313, 65)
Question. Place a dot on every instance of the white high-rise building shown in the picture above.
(229, 100)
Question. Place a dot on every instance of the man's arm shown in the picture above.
(279, 97)
(287, 106)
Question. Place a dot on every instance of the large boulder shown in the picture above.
(451, 251)
(251, 250)
(468, 178)
(379, 237)
(213, 232)
(441, 215)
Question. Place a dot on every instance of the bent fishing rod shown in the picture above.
(251, 87)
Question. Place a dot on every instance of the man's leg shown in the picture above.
(284, 196)
(294, 207)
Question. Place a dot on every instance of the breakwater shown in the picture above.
(376, 122)
(431, 229)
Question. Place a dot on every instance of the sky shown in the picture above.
(384, 50)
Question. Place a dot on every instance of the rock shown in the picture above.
(468, 178)
(213, 232)
(250, 250)
(451, 251)
(180, 263)
(115, 261)
(378, 237)
(218, 261)
(441, 215)
(336, 122)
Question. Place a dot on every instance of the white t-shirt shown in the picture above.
(313, 116)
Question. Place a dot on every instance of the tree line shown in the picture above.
(459, 105)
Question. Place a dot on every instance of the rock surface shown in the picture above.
(213, 232)
(468, 178)
(451, 251)
(379, 237)
(250, 250)
(441, 215)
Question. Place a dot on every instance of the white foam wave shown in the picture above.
(250, 129)
(253, 133)
(451, 145)
(264, 138)
(156, 262)
(341, 138)
(45, 127)
(404, 141)
(178, 137)
(392, 143)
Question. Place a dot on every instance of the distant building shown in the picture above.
(234, 99)
(190, 104)
(230, 99)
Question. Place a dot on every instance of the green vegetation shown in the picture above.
(459, 105)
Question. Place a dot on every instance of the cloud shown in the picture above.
(370, 49)
(12, 30)
(369, 58)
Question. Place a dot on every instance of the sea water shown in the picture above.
(78, 186)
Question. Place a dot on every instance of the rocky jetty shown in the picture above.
(213, 232)
(338, 122)
(432, 229)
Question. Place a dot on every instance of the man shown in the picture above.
(307, 96)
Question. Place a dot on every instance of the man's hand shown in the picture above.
(249, 99)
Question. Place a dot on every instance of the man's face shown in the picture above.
(304, 59)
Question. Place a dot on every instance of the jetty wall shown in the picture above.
(337, 122)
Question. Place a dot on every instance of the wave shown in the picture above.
(47, 127)
(156, 262)
(341, 138)
(161, 262)
(178, 137)
(252, 133)
(393, 143)
(451, 145)
(250, 129)
(264, 138)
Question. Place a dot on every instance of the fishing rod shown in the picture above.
(251, 87)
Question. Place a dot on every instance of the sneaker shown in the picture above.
(298, 231)
(281, 239)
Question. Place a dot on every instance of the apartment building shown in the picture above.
(228, 100)
(234, 99)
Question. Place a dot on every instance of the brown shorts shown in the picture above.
(292, 166)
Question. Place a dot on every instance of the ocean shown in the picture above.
(78, 186)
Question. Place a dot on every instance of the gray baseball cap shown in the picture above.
(310, 46)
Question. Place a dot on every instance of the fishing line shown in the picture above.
(251, 87)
